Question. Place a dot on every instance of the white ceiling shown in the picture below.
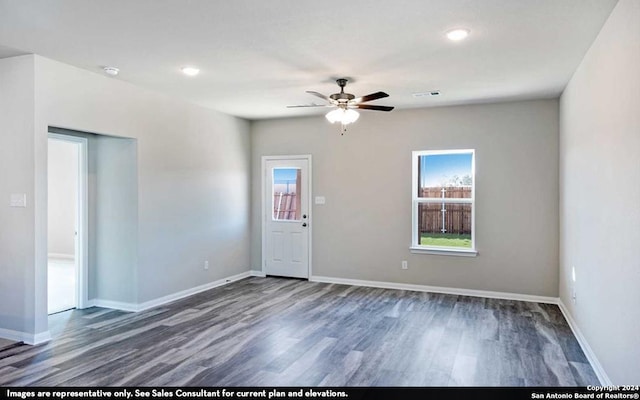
(256, 57)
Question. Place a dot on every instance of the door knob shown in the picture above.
(304, 224)
(304, 216)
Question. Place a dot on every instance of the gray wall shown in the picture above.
(364, 229)
(600, 194)
(193, 167)
(113, 276)
(62, 196)
(17, 231)
(192, 174)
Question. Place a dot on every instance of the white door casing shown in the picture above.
(286, 218)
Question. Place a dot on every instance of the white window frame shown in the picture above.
(416, 247)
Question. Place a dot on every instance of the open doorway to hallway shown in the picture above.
(65, 202)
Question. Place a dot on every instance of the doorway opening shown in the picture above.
(67, 199)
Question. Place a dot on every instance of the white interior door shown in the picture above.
(286, 218)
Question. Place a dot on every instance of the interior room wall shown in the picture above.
(17, 230)
(114, 274)
(62, 198)
(192, 173)
(600, 195)
(364, 230)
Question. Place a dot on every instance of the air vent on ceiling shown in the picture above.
(427, 94)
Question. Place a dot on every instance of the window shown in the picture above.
(286, 202)
(443, 202)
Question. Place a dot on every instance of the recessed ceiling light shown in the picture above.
(190, 71)
(113, 71)
(457, 34)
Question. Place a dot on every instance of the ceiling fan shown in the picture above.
(345, 103)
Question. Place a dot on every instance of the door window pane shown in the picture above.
(286, 200)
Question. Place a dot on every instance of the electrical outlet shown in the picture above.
(405, 265)
(206, 264)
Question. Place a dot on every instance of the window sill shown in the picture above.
(443, 251)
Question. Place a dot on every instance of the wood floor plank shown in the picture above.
(290, 332)
(6, 344)
(462, 373)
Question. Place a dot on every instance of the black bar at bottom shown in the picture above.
(353, 393)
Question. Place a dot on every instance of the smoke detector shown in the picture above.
(111, 71)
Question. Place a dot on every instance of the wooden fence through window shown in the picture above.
(284, 206)
(457, 217)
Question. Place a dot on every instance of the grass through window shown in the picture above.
(445, 239)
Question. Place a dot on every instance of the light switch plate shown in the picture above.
(18, 200)
(320, 200)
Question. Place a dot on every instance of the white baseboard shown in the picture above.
(116, 305)
(16, 336)
(260, 274)
(39, 338)
(61, 256)
(185, 293)
(437, 289)
(136, 307)
(28, 338)
(586, 349)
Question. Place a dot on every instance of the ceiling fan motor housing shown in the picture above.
(342, 97)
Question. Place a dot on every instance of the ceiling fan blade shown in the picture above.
(309, 105)
(319, 95)
(375, 108)
(370, 97)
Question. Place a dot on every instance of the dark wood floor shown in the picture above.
(274, 331)
(7, 344)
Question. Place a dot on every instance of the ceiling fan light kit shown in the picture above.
(345, 104)
(343, 116)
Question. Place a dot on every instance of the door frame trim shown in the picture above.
(82, 248)
(263, 215)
